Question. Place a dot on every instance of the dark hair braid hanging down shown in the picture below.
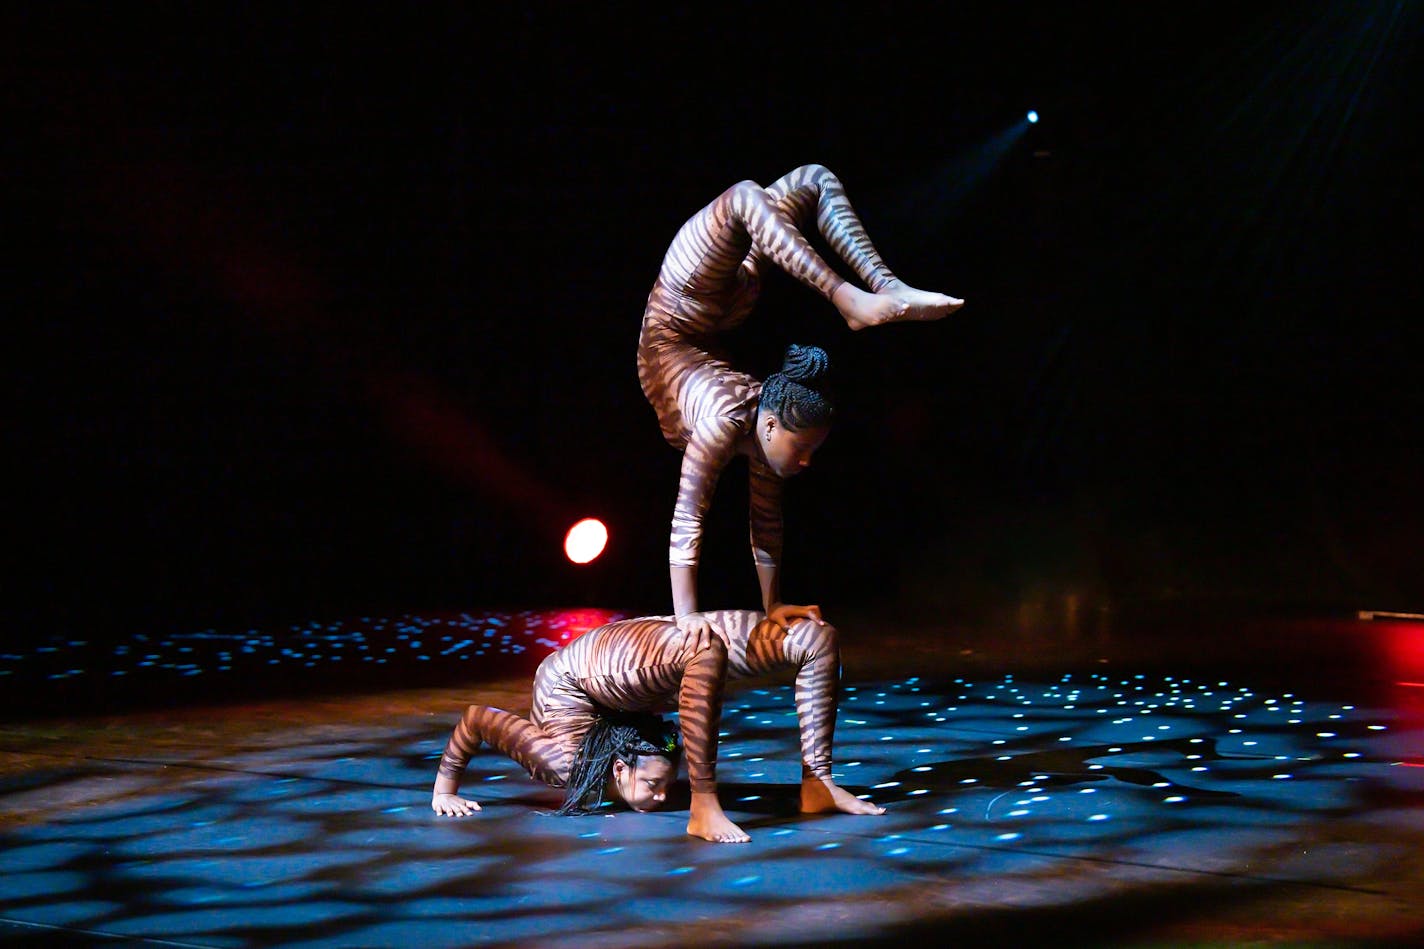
(624, 736)
(798, 393)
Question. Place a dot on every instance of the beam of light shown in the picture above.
(201, 229)
(452, 440)
(949, 184)
(1269, 127)
(585, 540)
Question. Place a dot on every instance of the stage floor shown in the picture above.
(1078, 793)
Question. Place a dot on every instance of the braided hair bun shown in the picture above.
(797, 394)
(805, 364)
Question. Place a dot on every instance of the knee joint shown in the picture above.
(819, 173)
(817, 637)
(716, 647)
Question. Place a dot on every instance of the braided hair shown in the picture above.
(623, 736)
(798, 393)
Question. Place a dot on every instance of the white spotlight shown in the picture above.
(1032, 117)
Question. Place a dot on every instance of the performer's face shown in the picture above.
(788, 452)
(645, 787)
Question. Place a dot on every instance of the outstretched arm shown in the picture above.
(518, 738)
(710, 448)
(767, 532)
(684, 603)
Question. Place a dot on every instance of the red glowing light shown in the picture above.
(1404, 649)
(574, 623)
(585, 540)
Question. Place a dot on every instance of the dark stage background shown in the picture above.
(333, 310)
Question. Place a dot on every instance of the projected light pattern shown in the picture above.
(1003, 794)
(209, 663)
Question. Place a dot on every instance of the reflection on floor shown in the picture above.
(64, 674)
(1082, 808)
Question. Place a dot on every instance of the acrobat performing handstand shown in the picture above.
(595, 730)
(708, 284)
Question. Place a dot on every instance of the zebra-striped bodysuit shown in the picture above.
(645, 664)
(708, 284)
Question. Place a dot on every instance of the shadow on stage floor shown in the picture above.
(272, 788)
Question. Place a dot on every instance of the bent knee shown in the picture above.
(818, 173)
(716, 648)
(816, 636)
(744, 195)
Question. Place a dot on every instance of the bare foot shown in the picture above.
(708, 821)
(895, 304)
(819, 796)
(861, 308)
(923, 304)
